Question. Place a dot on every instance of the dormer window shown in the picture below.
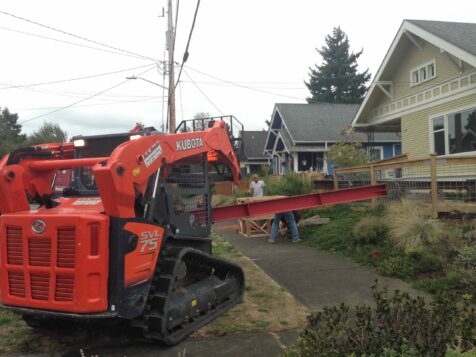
(422, 73)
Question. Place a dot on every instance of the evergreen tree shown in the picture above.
(48, 133)
(337, 79)
(11, 137)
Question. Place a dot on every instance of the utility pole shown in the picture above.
(170, 48)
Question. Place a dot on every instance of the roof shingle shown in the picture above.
(459, 34)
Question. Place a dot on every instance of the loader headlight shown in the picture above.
(79, 143)
(134, 137)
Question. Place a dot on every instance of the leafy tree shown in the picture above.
(337, 79)
(348, 151)
(48, 133)
(11, 137)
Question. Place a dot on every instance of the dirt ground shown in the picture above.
(266, 308)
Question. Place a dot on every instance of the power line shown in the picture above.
(65, 94)
(176, 21)
(138, 101)
(70, 43)
(76, 36)
(243, 86)
(186, 53)
(80, 101)
(220, 84)
(77, 78)
(181, 99)
(203, 93)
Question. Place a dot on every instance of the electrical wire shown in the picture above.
(75, 79)
(220, 84)
(66, 94)
(176, 22)
(181, 99)
(242, 86)
(70, 43)
(186, 53)
(76, 36)
(163, 96)
(138, 101)
(203, 93)
(79, 101)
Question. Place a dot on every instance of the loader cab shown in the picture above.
(80, 181)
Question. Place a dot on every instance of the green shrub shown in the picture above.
(452, 352)
(400, 266)
(289, 185)
(450, 281)
(369, 230)
(425, 262)
(399, 326)
(466, 258)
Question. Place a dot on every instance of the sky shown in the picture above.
(245, 55)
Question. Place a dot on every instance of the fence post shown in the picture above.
(336, 180)
(373, 181)
(434, 186)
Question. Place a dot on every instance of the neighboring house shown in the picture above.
(252, 157)
(300, 135)
(426, 89)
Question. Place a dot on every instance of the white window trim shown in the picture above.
(394, 151)
(379, 147)
(445, 123)
(418, 68)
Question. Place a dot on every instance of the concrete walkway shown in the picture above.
(316, 279)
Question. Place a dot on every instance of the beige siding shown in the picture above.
(416, 127)
(446, 69)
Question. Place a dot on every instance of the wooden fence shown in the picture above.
(436, 180)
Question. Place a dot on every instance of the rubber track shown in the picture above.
(152, 323)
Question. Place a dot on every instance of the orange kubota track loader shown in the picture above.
(129, 237)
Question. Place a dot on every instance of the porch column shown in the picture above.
(296, 161)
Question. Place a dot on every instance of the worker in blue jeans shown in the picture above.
(290, 222)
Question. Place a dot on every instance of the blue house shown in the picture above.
(300, 135)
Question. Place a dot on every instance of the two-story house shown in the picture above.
(426, 89)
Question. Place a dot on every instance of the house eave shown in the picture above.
(425, 35)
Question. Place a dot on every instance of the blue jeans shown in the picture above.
(290, 222)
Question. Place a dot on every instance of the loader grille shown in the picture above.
(39, 252)
(63, 267)
(64, 287)
(40, 286)
(16, 283)
(66, 247)
(14, 246)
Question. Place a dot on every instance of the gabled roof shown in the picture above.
(455, 38)
(316, 122)
(320, 122)
(460, 34)
(253, 143)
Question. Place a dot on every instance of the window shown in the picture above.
(375, 153)
(454, 133)
(422, 73)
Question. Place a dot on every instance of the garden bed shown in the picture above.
(448, 267)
